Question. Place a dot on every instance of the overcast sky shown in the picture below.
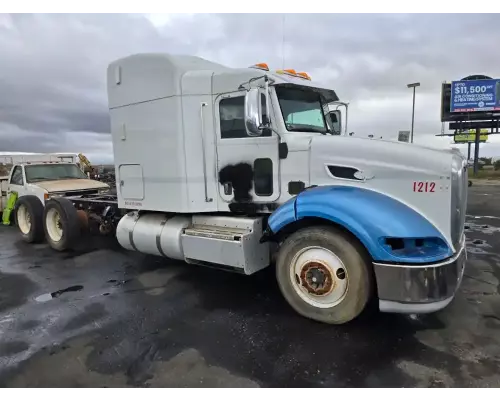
(52, 67)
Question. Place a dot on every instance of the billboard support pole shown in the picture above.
(413, 115)
(468, 151)
(476, 152)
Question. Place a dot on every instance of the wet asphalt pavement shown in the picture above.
(104, 317)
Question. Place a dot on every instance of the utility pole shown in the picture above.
(476, 151)
(414, 86)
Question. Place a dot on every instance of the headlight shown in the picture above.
(51, 195)
(103, 191)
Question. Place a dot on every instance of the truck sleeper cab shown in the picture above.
(244, 168)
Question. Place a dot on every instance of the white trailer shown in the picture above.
(236, 168)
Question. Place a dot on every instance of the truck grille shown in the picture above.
(78, 192)
(459, 184)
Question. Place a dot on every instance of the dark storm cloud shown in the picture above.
(16, 140)
(52, 67)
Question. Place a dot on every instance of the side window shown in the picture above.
(17, 176)
(232, 117)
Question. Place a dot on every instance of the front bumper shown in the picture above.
(419, 289)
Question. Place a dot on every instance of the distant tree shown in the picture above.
(486, 160)
(496, 165)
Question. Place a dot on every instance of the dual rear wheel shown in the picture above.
(57, 221)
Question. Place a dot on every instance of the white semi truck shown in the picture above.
(245, 168)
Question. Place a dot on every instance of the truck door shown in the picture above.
(247, 167)
(16, 182)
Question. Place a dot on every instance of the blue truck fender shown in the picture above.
(374, 218)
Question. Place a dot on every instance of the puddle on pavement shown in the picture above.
(117, 283)
(49, 296)
(482, 216)
(483, 228)
(477, 246)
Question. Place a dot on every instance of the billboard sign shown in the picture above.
(404, 136)
(475, 95)
(469, 136)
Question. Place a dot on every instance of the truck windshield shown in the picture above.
(302, 110)
(50, 172)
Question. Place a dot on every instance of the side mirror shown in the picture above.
(336, 118)
(253, 113)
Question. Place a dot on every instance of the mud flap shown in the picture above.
(11, 202)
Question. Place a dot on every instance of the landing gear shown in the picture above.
(323, 275)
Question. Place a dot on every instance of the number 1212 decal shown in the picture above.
(424, 187)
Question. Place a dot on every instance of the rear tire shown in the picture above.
(324, 275)
(28, 216)
(61, 224)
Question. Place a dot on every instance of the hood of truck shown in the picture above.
(382, 156)
(418, 176)
(68, 185)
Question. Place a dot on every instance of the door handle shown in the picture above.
(228, 189)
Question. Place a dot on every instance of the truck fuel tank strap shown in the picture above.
(158, 236)
(131, 233)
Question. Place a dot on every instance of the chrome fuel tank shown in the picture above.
(157, 234)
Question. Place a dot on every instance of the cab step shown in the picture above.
(215, 232)
(221, 241)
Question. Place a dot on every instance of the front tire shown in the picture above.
(61, 224)
(29, 218)
(324, 275)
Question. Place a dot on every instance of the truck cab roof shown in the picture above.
(151, 76)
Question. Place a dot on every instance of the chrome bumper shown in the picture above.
(419, 289)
